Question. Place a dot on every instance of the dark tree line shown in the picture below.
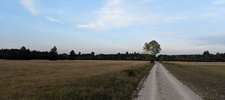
(25, 54)
(118, 56)
(92, 56)
(205, 57)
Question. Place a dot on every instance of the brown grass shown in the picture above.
(39, 79)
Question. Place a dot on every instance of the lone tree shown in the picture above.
(152, 48)
(53, 54)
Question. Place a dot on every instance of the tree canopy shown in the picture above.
(53, 54)
(152, 47)
(72, 55)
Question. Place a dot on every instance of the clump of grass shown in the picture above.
(206, 80)
(70, 80)
(130, 72)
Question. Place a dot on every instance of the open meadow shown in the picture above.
(75, 79)
(205, 78)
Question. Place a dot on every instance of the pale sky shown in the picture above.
(112, 26)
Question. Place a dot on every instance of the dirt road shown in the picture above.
(161, 85)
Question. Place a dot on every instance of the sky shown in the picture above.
(112, 26)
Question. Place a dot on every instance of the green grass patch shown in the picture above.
(206, 80)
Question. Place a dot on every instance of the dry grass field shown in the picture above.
(42, 79)
(205, 78)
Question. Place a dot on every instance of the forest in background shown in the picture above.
(26, 54)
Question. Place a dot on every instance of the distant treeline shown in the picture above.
(205, 57)
(26, 54)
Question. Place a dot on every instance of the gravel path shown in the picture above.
(161, 85)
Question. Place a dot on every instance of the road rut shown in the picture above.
(161, 85)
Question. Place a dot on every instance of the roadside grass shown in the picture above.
(206, 79)
(70, 80)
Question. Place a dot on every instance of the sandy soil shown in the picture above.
(161, 85)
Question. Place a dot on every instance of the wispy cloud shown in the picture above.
(214, 14)
(30, 6)
(112, 14)
(216, 39)
(209, 15)
(219, 2)
(213, 39)
(173, 18)
(169, 34)
(98, 24)
(120, 13)
(54, 20)
(16, 17)
(149, 0)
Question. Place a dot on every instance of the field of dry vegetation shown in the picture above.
(39, 79)
(205, 78)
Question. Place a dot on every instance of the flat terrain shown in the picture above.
(198, 63)
(161, 85)
(43, 79)
(205, 78)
